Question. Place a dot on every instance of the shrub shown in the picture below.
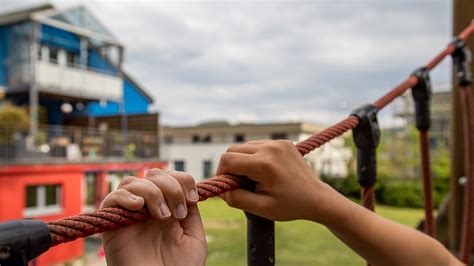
(403, 194)
(399, 193)
(12, 120)
(346, 186)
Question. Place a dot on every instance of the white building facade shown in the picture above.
(197, 149)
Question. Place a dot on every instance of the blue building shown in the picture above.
(66, 68)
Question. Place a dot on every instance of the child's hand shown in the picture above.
(174, 236)
(287, 188)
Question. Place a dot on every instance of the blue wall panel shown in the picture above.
(96, 61)
(3, 54)
(94, 109)
(135, 102)
(60, 38)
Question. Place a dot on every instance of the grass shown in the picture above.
(297, 242)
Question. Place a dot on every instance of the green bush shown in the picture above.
(399, 193)
(12, 120)
(346, 186)
(403, 194)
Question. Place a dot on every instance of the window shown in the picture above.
(207, 139)
(239, 138)
(72, 59)
(197, 139)
(53, 55)
(169, 139)
(179, 166)
(42, 200)
(279, 135)
(207, 168)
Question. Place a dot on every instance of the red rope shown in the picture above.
(71, 228)
(467, 105)
(367, 195)
(430, 228)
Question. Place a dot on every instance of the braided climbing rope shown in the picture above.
(430, 228)
(105, 219)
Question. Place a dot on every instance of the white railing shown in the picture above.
(77, 82)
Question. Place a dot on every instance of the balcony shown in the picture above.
(58, 144)
(74, 81)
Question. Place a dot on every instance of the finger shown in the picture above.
(256, 142)
(248, 147)
(188, 184)
(248, 201)
(240, 164)
(192, 224)
(154, 199)
(171, 190)
(123, 198)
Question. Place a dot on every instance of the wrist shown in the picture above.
(329, 206)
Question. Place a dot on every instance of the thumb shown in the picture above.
(192, 224)
(248, 201)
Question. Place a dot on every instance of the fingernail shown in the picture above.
(180, 211)
(193, 196)
(134, 197)
(165, 211)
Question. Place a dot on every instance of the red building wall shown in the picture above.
(15, 179)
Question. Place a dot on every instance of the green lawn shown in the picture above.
(297, 243)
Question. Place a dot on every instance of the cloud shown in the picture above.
(273, 61)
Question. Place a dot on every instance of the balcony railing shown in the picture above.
(57, 144)
(78, 82)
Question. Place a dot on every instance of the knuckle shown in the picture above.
(185, 177)
(188, 180)
(232, 147)
(175, 193)
(154, 172)
(153, 192)
(127, 180)
(266, 165)
(224, 161)
(121, 192)
(286, 143)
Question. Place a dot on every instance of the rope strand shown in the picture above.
(71, 228)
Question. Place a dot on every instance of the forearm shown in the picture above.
(379, 240)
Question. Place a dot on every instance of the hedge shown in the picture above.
(392, 192)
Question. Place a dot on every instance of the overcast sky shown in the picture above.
(272, 60)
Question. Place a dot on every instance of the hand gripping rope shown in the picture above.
(82, 225)
(462, 63)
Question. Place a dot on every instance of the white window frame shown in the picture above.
(41, 209)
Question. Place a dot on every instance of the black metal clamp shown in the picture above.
(366, 137)
(421, 93)
(462, 61)
(22, 241)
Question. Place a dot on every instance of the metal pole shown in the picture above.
(260, 236)
(463, 12)
(33, 95)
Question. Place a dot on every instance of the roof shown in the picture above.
(140, 88)
(78, 20)
(81, 17)
(22, 14)
(222, 125)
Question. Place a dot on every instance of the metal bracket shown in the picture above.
(421, 93)
(366, 138)
(462, 61)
